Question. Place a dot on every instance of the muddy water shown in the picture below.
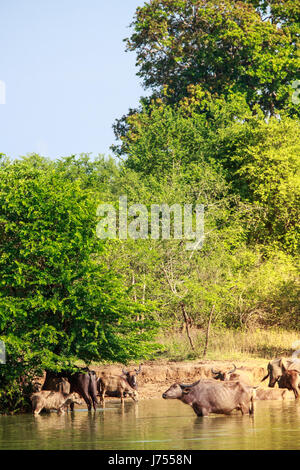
(155, 424)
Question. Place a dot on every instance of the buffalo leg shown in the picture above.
(251, 409)
(102, 395)
(245, 409)
(200, 411)
(87, 400)
(94, 404)
(37, 411)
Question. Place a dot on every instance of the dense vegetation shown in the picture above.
(60, 302)
(220, 129)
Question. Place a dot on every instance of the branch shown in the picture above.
(207, 331)
(186, 325)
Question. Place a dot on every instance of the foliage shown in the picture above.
(215, 141)
(163, 270)
(223, 45)
(247, 283)
(244, 168)
(59, 302)
(269, 171)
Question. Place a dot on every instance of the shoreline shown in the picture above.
(156, 376)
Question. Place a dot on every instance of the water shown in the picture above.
(155, 424)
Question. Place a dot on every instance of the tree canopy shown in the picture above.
(60, 303)
(247, 47)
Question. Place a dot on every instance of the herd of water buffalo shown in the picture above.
(223, 392)
(61, 390)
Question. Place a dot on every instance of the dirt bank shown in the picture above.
(156, 377)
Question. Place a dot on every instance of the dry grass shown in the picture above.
(230, 344)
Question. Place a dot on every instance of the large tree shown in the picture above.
(59, 302)
(224, 45)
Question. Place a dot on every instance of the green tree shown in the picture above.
(226, 141)
(223, 45)
(247, 284)
(268, 176)
(59, 302)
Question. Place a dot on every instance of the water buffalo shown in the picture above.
(83, 383)
(290, 379)
(234, 374)
(48, 400)
(36, 387)
(271, 394)
(207, 396)
(278, 366)
(57, 383)
(130, 376)
(115, 385)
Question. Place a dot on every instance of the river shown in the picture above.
(155, 424)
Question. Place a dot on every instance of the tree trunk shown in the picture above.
(207, 331)
(186, 320)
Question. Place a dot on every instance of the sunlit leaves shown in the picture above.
(222, 45)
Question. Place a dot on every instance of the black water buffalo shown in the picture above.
(206, 396)
(278, 366)
(83, 383)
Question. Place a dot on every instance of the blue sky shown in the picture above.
(66, 73)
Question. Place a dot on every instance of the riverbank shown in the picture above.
(249, 349)
(156, 376)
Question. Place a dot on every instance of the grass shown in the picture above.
(230, 344)
(227, 345)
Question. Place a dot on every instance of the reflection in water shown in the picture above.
(155, 424)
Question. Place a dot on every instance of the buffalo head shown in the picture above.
(275, 370)
(220, 375)
(131, 376)
(176, 391)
